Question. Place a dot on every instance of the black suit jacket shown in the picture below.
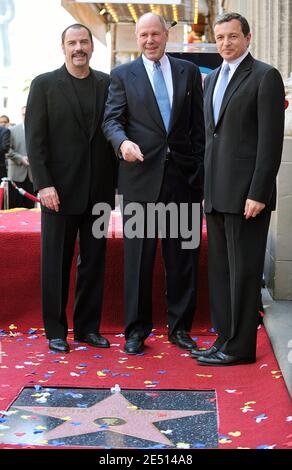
(243, 151)
(58, 147)
(4, 144)
(132, 113)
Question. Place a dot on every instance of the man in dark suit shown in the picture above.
(73, 168)
(160, 143)
(244, 137)
(4, 147)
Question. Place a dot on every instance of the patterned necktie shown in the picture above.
(220, 91)
(161, 94)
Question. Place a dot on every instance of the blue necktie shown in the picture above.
(220, 91)
(161, 94)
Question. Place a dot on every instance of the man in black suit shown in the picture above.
(160, 146)
(244, 137)
(73, 168)
(4, 147)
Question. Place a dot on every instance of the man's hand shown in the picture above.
(49, 198)
(25, 161)
(253, 208)
(131, 151)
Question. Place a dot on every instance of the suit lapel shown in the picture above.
(98, 100)
(65, 84)
(145, 91)
(242, 71)
(179, 89)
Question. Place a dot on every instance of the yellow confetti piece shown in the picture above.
(63, 362)
(182, 445)
(43, 381)
(204, 375)
(100, 374)
(12, 327)
(130, 367)
(160, 336)
(234, 434)
(147, 382)
(225, 441)
(250, 403)
(37, 395)
(275, 371)
(25, 417)
(139, 368)
(158, 357)
(132, 407)
(3, 367)
(277, 376)
(41, 428)
(66, 418)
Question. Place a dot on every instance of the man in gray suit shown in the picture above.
(18, 167)
(244, 116)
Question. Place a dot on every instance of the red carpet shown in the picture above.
(20, 277)
(253, 403)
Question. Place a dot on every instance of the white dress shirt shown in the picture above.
(166, 71)
(233, 66)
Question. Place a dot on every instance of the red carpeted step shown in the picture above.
(20, 277)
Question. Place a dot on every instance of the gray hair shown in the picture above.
(226, 17)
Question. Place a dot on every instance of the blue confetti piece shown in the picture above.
(57, 443)
(38, 431)
(73, 395)
(161, 372)
(3, 420)
(265, 446)
(260, 418)
(75, 423)
(97, 356)
(198, 445)
(38, 388)
(82, 405)
(82, 365)
(105, 370)
(82, 372)
(195, 338)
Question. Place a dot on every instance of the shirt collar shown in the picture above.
(164, 61)
(233, 64)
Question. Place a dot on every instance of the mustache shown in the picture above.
(79, 53)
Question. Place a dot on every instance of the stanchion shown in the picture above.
(5, 187)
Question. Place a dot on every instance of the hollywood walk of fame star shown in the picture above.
(114, 413)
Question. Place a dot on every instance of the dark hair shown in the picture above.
(226, 17)
(4, 117)
(76, 26)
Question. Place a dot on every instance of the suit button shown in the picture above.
(215, 135)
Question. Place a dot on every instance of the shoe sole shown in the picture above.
(236, 363)
(182, 347)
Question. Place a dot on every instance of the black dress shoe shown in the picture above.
(182, 340)
(93, 339)
(59, 345)
(203, 353)
(221, 359)
(134, 345)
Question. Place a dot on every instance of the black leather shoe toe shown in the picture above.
(59, 345)
(93, 339)
(204, 352)
(182, 339)
(221, 359)
(134, 345)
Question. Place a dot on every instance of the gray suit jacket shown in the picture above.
(16, 170)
